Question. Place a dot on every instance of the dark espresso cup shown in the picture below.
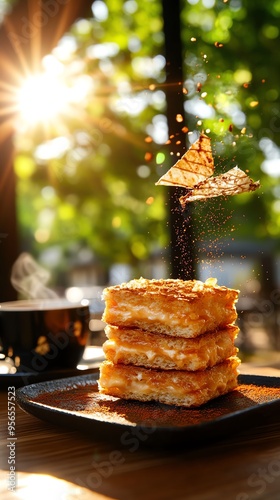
(40, 335)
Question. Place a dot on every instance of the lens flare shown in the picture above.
(41, 98)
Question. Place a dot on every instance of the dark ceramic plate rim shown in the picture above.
(218, 427)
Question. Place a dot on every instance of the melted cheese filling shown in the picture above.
(123, 385)
(142, 314)
(171, 354)
(205, 354)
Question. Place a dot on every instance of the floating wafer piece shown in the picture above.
(235, 181)
(194, 172)
(195, 166)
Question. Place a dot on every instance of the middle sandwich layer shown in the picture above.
(143, 348)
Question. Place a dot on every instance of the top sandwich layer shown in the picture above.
(171, 307)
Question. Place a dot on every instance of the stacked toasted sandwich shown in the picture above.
(170, 341)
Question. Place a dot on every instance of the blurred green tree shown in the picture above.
(86, 175)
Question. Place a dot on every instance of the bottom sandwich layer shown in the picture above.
(172, 387)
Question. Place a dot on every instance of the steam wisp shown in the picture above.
(30, 279)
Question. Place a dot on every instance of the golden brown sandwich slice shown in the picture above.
(170, 307)
(142, 348)
(172, 387)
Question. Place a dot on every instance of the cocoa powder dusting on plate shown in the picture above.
(88, 401)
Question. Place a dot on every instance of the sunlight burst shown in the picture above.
(42, 97)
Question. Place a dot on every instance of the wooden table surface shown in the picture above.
(56, 463)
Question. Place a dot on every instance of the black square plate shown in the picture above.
(75, 402)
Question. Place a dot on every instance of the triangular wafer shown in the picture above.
(195, 166)
(194, 172)
(235, 181)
